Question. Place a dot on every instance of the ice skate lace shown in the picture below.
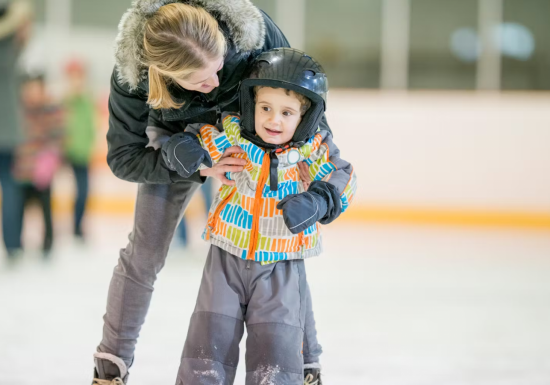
(309, 380)
(116, 381)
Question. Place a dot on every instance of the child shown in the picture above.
(80, 136)
(38, 157)
(263, 227)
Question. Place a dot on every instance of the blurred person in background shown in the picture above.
(207, 196)
(15, 22)
(39, 156)
(80, 125)
(176, 64)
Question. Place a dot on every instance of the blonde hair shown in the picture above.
(305, 103)
(178, 40)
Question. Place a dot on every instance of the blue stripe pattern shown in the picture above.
(222, 143)
(310, 229)
(345, 203)
(268, 256)
(284, 188)
(324, 170)
(237, 216)
(255, 153)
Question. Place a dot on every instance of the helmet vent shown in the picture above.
(309, 74)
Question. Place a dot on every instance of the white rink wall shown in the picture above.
(444, 152)
(450, 150)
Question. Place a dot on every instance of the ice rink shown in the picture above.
(395, 305)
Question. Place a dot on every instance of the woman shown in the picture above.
(15, 23)
(176, 63)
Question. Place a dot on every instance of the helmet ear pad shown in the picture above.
(308, 124)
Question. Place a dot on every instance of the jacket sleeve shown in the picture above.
(326, 164)
(212, 139)
(127, 156)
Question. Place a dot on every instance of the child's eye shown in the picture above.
(266, 109)
(287, 113)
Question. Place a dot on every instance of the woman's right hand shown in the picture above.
(226, 164)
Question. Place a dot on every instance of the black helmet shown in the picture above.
(291, 69)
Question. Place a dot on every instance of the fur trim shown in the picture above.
(244, 20)
(17, 13)
(115, 360)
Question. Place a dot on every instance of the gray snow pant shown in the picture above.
(159, 208)
(269, 299)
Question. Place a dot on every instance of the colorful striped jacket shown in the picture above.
(243, 219)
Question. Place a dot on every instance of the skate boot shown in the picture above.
(312, 374)
(109, 370)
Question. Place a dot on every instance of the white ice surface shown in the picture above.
(394, 306)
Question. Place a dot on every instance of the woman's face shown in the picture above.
(203, 80)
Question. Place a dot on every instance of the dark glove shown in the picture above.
(183, 153)
(301, 211)
(320, 203)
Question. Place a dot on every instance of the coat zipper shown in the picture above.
(216, 216)
(257, 207)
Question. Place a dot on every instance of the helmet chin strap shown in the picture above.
(272, 150)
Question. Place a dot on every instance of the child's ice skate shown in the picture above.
(312, 374)
(109, 370)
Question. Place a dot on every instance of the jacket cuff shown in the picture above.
(196, 177)
(330, 194)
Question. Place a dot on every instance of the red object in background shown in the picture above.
(75, 66)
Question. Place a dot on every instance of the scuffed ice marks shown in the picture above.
(210, 374)
(265, 375)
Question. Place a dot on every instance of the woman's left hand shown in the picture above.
(226, 164)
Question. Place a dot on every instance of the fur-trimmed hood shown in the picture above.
(16, 13)
(244, 21)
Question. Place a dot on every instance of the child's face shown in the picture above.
(32, 93)
(276, 115)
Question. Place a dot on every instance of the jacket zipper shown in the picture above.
(216, 216)
(257, 207)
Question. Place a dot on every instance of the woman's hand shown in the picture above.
(226, 164)
(303, 168)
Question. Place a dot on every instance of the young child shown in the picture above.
(80, 136)
(263, 227)
(38, 157)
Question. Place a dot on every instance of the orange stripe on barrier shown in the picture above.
(356, 213)
(448, 217)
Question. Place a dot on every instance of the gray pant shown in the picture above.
(270, 299)
(158, 211)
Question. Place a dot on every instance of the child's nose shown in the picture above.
(274, 119)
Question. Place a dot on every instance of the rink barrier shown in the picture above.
(363, 213)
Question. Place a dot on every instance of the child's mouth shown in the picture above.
(272, 132)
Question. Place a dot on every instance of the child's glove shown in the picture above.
(301, 211)
(183, 153)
